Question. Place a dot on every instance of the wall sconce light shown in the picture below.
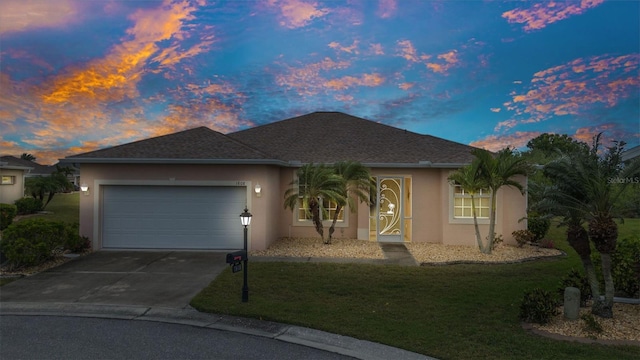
(84, 188)
(258, 190)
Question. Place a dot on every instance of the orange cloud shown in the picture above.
(577, 86)
(407, 51)
(350, 81)
(297, 13)
(21, 15)
(406, 86)
(115, 77)
(307, 79)
(610, 132)
(542, 14)
(450, 60)
(351, 49)
(386, 8)
(499, 142)
(376, 49)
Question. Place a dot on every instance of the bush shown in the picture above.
(625, 266)
(523, 237)
(7, 213)
(538, 225)
(28, 205)
(538, 306)
(577, 280)
(74, 242)
(32, 242)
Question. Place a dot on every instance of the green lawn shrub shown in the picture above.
(538, 225)
(74, 242)
(7, 213)
(33, 241)
(576, 279)
(523, 237)
(28, 205)
(625, 266)
(538, 306)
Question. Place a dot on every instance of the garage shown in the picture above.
(172, 217)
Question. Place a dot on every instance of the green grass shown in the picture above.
(63, 207)
(449, 312)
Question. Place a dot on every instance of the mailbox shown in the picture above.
(236, 257)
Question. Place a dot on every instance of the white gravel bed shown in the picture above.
(438, 253)
(313, 247)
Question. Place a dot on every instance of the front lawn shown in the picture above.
(449, 312)
(63, 207)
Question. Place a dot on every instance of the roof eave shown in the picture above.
(172, 161)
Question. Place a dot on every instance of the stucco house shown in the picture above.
(12, 174)
(186, 190)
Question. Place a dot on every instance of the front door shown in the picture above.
(390, 207)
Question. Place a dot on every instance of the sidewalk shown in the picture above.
(344, 345)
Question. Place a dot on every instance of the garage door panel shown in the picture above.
(173, 217)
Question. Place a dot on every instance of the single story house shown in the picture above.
(186, 190)
(12, 174)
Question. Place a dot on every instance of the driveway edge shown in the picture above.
(344, 345)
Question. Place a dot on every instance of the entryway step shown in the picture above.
(398, 254)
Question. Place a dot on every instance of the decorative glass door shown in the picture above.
(390, 208)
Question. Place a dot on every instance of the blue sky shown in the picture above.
(77, 75)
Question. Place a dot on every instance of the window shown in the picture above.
(8, 180)
(330, 208)
(462, 203)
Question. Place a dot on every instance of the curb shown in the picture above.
(344, 345)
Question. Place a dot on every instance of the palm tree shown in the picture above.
(357, 181)
(495, 172)
(468, 178)
(564, 199)
(587, 193)
(313, 184)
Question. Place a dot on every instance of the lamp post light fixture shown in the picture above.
(245, 219)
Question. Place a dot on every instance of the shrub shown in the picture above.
(577, 280)
(538, 306)
(73, 241)
(625, 266)
(7, 213)
(28, 205)
(546, 243)
(32, 242)
(497, 241)
(523, 237)
(538, 225)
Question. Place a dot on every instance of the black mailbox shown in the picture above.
(236, 257)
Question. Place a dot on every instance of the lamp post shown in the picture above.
(245, 218)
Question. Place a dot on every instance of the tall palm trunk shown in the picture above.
(578, 238)
(333, 223)
(603, 231)
(314, 206)
(475, 222)
(492, 225)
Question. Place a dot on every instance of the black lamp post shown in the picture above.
(245, 218)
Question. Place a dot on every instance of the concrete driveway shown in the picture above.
(145, 278)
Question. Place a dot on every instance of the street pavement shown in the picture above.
(136, 287)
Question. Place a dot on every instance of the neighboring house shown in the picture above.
(631, 154)
(186, 190)
(12, 175)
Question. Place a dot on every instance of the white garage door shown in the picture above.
(173, 217)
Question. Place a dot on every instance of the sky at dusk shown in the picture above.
(79, 75)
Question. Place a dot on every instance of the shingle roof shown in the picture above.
(319, 137)
(197, 143)
(35, 168)
(326, 137)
